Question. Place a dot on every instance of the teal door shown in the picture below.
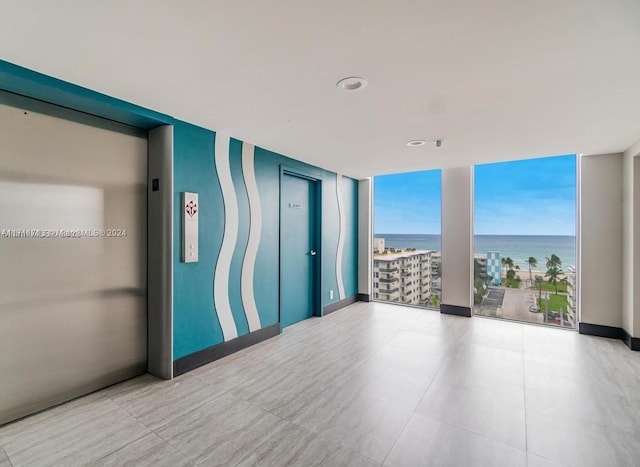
(299, 253)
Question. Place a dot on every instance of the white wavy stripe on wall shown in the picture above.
(255, 229)
(223, 266)
(340, 237)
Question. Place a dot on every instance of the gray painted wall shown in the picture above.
(630, 251)
(633, 156)
(160, 261)
(631, 220)
(627, 243)
(601, 240)
(457, 236)
(365, 234)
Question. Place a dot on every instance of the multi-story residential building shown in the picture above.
(404, 276)
(494, 267)
(436, 280)
(571, 295)
(490, 267)
(378, 245)
(481, 261)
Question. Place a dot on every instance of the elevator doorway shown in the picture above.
(73, 243)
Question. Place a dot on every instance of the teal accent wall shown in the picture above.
(330, 232)
(350, 253)
(195, 320)
(19, 80)
(235, 296)
(266, 283)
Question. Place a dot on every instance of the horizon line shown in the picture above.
(485, 234)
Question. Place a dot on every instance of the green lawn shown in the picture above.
(548, 287)
(512, 283)
(555, 303)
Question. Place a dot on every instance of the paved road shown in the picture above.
(516, 305)
(494, 298)
(511, 304)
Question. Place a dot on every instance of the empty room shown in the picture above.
(319, 233)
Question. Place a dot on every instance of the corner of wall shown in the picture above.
(631, 220)
(160, 252)
(365, 235)
(457, 237)
(633, 150)
(600, 223)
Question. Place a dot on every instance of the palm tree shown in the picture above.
(553, 274)
(508, 262)
(504, 264)
(532, 264)
(553, 261)
(510, 273)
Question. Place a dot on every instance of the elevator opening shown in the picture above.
(73, 243)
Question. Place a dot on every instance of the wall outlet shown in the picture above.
(330, 294)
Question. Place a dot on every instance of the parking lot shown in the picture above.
(511, 304)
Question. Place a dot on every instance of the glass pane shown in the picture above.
(525, 245)
(406, 257)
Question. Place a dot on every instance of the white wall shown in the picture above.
(627, 242)
(631, 219)
(365, 235)
(634, 323)
(601, 240)
(457, 235)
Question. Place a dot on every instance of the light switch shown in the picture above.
(190, 214)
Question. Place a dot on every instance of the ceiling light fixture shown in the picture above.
(353, 83)
(416, 142)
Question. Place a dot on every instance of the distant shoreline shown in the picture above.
(535, 272)
(382, 235)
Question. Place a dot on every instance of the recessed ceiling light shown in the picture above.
(352, 83)
(416, 142)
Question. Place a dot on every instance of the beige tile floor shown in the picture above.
(368, 385)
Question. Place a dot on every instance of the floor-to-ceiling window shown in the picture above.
(406, 244)
(525, 240)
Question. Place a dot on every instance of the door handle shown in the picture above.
(312, 252)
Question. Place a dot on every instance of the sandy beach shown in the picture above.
(524, 274)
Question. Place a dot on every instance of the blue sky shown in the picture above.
(527, 197)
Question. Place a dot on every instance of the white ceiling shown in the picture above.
(495, 80)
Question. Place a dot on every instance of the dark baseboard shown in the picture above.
(632, 342)
(335, 306)
(455, 310)
(216, 352)
(610, 332)
(364, 297)
(600, 331)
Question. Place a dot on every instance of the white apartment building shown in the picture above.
(405, 276)
(482, 262)
(571, 292)
(378, 245)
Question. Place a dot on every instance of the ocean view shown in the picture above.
(518, 247)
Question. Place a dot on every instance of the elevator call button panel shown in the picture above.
(190, 215)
